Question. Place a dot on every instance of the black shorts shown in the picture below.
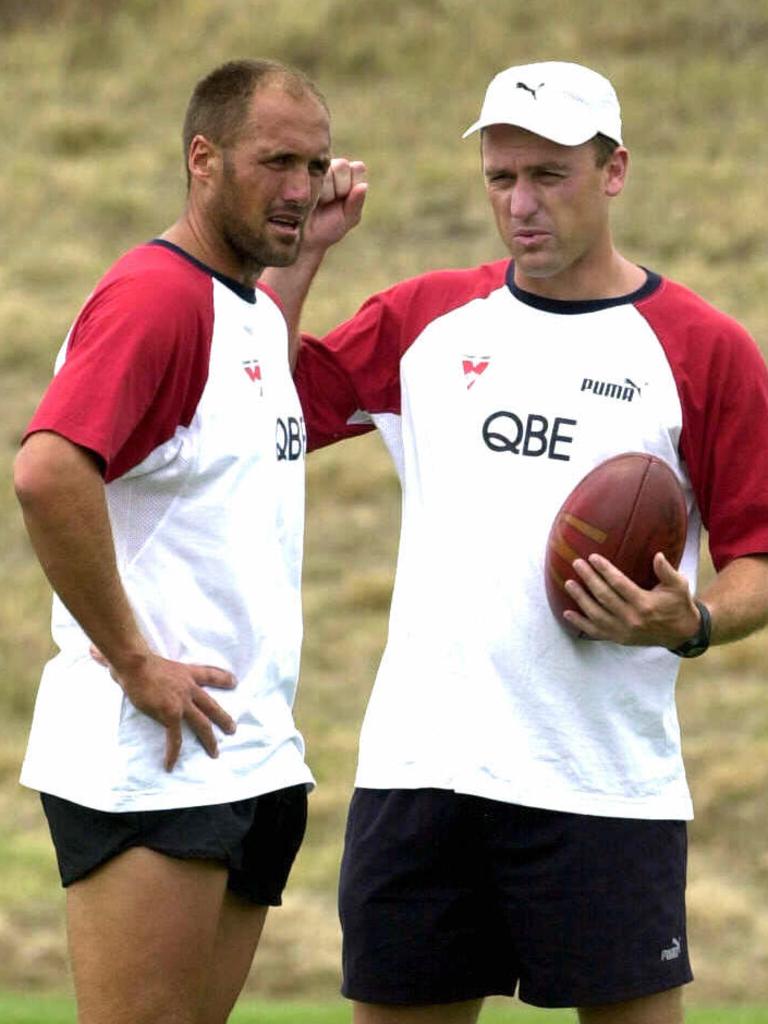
(446, 897)
(256, 839)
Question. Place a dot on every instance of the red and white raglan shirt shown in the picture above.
(178, 380)
(494, 403)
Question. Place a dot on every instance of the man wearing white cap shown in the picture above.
(519, 819)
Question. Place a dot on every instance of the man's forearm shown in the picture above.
(62, 496)
(291, 285)
(738, 598)
(339, 209)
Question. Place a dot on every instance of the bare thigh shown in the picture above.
(445, 1013)
(142, 930)
(661, 1008)
(240, 927)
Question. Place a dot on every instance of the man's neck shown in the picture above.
(187, 236)
(616, 277)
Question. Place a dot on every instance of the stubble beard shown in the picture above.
(250, 247)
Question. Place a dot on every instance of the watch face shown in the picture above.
(692, 649)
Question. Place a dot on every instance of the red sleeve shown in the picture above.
(722, 382)
(356, 367)
(353, 369)
(136, 361)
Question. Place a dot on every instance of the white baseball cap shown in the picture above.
(564, 102)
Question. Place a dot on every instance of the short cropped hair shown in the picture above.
(604, 149)
(219, 101)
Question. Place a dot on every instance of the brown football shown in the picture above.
(627, 508)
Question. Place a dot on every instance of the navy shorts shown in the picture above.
(446, 897)
(256, 839)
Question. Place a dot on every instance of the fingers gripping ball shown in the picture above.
(626, 509)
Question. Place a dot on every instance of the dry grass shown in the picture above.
(89, 144)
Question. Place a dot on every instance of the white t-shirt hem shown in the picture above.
(604, 805)
(191, 795)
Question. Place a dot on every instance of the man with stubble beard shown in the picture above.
(162, 484)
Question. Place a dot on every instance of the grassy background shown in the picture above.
(55, 1010)
(94, 93)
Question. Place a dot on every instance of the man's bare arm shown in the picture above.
(339, 209)
(62, 496)
(737, 598)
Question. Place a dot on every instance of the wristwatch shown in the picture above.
(699, 643)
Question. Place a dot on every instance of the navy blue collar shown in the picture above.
(246, 293)
(569, 307)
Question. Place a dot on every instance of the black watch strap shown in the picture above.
(699, 643)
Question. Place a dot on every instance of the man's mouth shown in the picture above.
(528, 237)
(286, 224)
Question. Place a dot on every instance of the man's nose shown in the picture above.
(522, 200)
(297, 187)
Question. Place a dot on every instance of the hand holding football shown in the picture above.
(626, 509)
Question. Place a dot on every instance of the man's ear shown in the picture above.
(616, 168)
(203, 158)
